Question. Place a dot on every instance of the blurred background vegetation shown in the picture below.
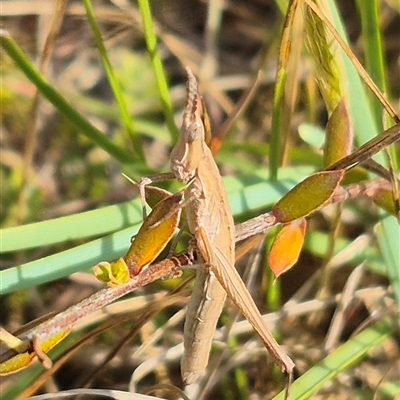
(53, 165)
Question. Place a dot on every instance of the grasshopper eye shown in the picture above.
(194, 132)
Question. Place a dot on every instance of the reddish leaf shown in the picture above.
(286, 247)
(307, 196)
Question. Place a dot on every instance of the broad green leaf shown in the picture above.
(308, 196)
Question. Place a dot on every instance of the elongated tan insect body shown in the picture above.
(205, 212)
(207, 206)
(204, 309)
(238, 293)
(210, 221)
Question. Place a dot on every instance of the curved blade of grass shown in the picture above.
(63, 107)
(115, 87)
(58, 230)
(339, 360)
(151, 42)
(66, 262)
(244, 196)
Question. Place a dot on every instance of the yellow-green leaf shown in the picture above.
(154, 234)
(307, 196)
(154, 195)
(114, 273)
(384, 198)
(26, 358)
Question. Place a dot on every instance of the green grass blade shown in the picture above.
(66, 262)
(284, 87)
(243, 194)
(373, 55)
(275, 154)
(375, 61)
(90, 223)
(115, 87)
(151, 42)
(152, 129)
(389, 242)
(82, 124)
(347, 354)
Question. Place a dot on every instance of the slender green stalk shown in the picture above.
(115, 87)
(371, 36)
(151, 42)
(281, 111)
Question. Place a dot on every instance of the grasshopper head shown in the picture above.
(186, 155)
